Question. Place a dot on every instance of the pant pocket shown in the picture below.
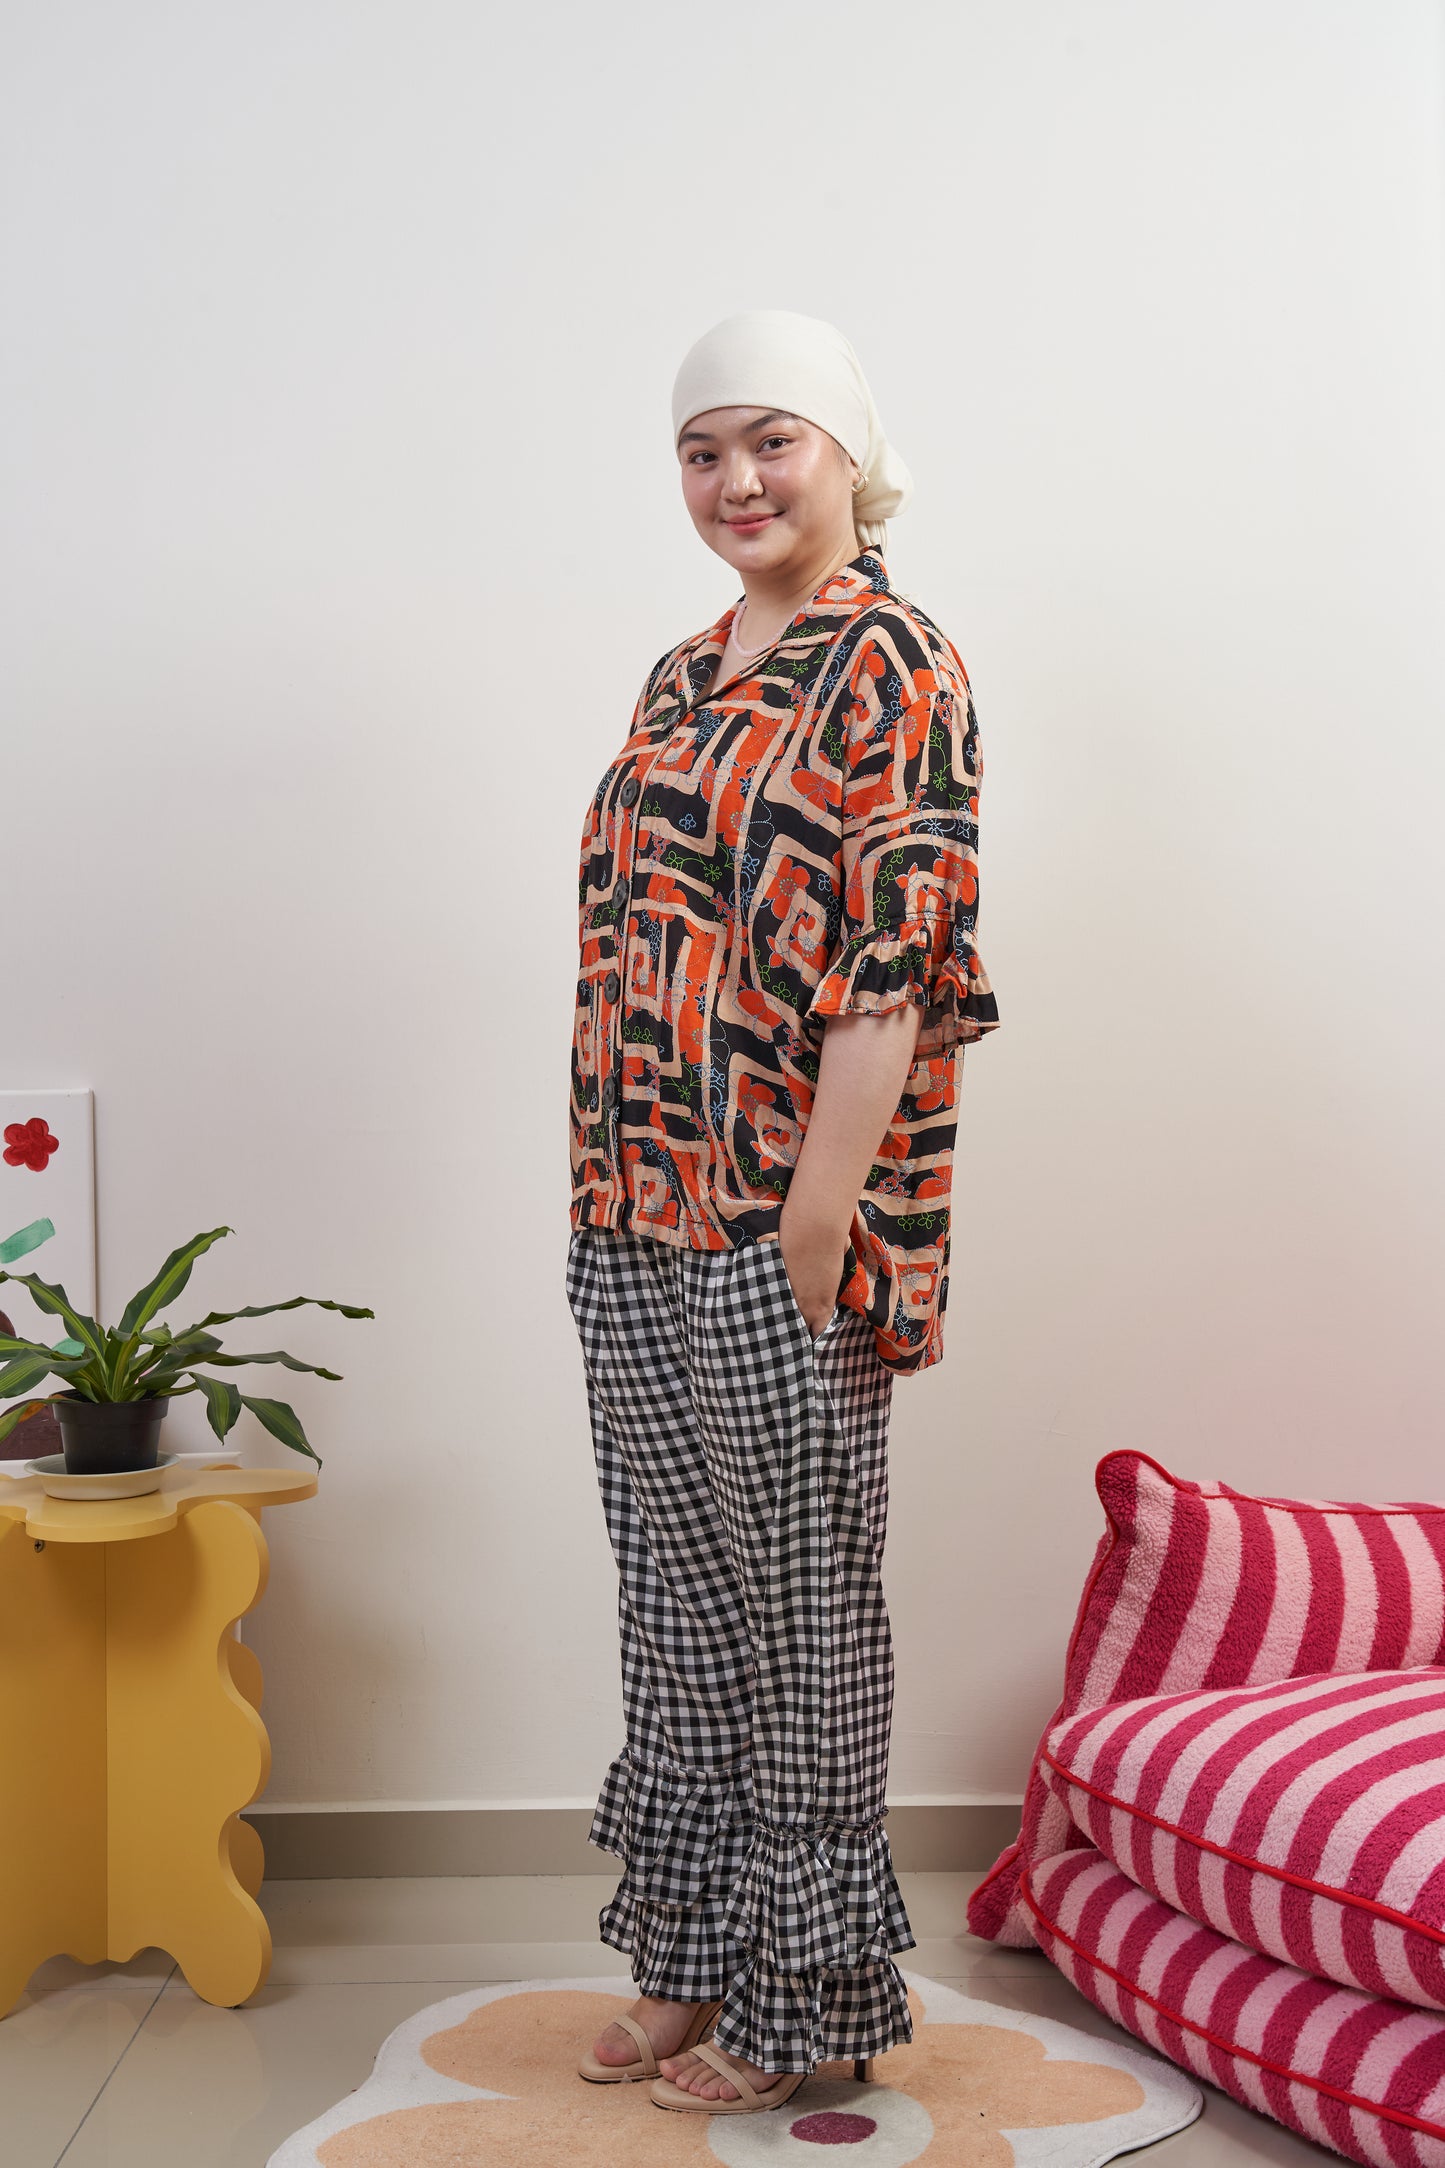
(831, 1327)
(572, 1268)
(813, 1339)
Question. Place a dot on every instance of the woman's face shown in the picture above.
(766, 489)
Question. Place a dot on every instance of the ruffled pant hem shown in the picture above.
(818, 1894)
(794, 2021)
(678, 1956)
(793, 1926)
(682, 1835)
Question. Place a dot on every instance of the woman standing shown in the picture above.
(777, 976)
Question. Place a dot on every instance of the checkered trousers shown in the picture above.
(744, 1476)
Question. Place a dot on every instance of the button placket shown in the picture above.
(628, 795)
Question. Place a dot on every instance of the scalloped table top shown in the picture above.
(115, 1520)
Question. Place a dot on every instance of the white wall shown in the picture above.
(337, 482)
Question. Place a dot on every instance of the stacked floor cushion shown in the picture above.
(1305, 1820)
(1233, 1835)
(1362, 2074)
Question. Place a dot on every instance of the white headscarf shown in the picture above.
(773, 357)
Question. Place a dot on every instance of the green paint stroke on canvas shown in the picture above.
(27, 1239)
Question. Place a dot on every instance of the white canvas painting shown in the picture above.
(47, 1171)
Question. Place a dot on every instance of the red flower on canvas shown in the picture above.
(29, 1144)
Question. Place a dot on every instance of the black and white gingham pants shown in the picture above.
(744, 1477)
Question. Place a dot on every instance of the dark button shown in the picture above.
(612, 986)
(629, 790)
(609, 1093)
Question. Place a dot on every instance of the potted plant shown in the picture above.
(119, 1382)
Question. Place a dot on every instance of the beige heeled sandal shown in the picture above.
(667, 2095)
(704, 2018)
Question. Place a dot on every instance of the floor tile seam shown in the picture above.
(141, 2023)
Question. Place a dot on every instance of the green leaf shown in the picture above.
(26, 1239)
(234, 1362)
(63, 1348)
(31, 1362)
(282, 1422)
(27, 1371)
(223, 1402)
(58, 1304)
(178, 1354)
(20, 1413)
(168, 1282)
(268, 1309)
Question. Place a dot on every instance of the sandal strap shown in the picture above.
(649, 2060)
(727, 2070)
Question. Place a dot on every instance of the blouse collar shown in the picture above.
(832, 602)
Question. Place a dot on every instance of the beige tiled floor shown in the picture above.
(121, 2066)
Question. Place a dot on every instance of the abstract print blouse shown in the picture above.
(799, 844)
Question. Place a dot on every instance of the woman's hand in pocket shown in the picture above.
(814, 1265)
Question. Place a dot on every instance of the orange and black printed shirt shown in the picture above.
(798, 844)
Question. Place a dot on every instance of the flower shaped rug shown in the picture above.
(488, 2079)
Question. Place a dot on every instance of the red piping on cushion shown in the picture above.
(1295, 2077)
(1294, 1505)
(1240, 1859)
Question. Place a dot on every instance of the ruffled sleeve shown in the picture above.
(929, 958)
(912, 766)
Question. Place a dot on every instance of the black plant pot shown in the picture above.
(109, 1437)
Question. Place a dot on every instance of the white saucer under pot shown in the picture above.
(114, 1483)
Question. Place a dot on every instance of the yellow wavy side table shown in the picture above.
(130, 1727)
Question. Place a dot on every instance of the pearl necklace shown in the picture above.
(749, 652)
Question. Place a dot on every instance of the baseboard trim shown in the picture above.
(307, 1845)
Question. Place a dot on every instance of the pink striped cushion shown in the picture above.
(1361, 2074)
(1198, 1584)
(1305, 1820)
